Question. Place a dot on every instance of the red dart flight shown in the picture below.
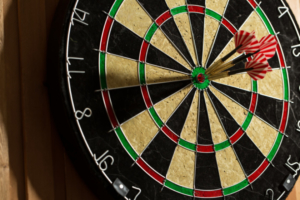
(259, 57)
(247, 41)
(259, 67)
(268, 46)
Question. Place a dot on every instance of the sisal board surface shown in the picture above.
(183, 23)
(217, 131)
(166, 107)
(264, 142)
(140, 130)
(189, 131)
(160, 41)
(236, 111)
(230, 170)
(272, 84)
(159, 75)
(142, 21)
(182, 167)
(121, 72)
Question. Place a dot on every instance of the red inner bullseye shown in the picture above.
(200, 78)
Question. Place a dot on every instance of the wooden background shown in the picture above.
(33, 162)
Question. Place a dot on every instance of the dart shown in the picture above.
(267, 48)
(256, 69)
(244, 42)
(228, 73)
(259, 66)
(221, 61)
(230, 64)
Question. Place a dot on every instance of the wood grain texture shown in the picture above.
(35, 109)
(10, 70)
(75, 188)
(33, 164)
(4, 155)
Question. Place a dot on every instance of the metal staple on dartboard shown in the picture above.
(289, 181)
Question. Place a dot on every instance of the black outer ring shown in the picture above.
(61, 108)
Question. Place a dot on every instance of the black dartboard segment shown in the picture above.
(138, 115)
(207, 169)
(177, 120)
(234, 15)
(228, 122)
(156, 57)
(127, 102)
(223, 37)
(197, 26)
(159, 153)
(204, 131)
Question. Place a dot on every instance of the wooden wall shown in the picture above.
(33, 163)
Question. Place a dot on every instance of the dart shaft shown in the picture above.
(239, 59)
(239, 71)
(228, 73)
(222, 60)
(214, 66)
(231, 53)
(223, 68)
(232, 63)
(218, 76)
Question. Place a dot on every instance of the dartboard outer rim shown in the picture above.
(61, 109)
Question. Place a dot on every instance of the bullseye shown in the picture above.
(201, 78)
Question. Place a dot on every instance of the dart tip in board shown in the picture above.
(201, 78)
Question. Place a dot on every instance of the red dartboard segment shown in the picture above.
(170, 134)
(259, 171)
(229, 26)
(196, 9)
(205, 148)
(164, 17)
(236, 136)
(252, 2)
(105, 33)
(109, 109)
(150, 171)
(282, 64)
(253, 103)
(284, 117)
(208, 194)
(144, 49)
(146, 96)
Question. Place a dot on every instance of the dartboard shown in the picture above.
(138, 115)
